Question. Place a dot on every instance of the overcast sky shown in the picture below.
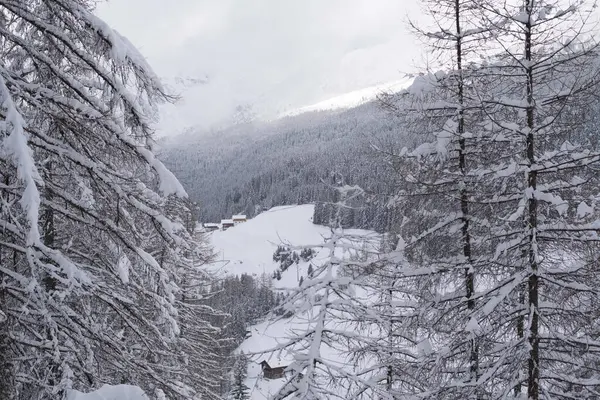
(275, 54)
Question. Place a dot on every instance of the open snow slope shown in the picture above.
(354, 98)
(248, 248)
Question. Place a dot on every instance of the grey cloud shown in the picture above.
(274, 54)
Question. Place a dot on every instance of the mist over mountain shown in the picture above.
(254, 166)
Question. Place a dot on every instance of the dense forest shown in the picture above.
(252, 167)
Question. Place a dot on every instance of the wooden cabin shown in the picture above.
(209, 226)
(272, 372)
(226, 224)
(239, 218)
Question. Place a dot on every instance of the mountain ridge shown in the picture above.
(293, 160)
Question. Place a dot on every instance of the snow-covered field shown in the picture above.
(108, 392)
(248, 248)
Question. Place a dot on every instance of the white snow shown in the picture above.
(583, 210)
(248, 248)
(424, 347)
(123, 266)
(15, 145)
(108, 392)
(473, 326)
(352, 99)
(522, 17)
(169, 184)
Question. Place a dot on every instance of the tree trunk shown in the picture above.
(533, 381)
(464, 199)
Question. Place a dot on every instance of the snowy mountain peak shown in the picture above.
(354, 98)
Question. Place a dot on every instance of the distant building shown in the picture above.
(226, 224)
(272, 372)
(209, 226)
(239, 218)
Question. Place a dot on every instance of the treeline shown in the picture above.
(296, 160)
(244, 300)
(240, 301)
(366, 211)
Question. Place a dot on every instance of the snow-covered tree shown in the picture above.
(239, 390)
(546, 181)
(83, 207)
(531, 156)
(441, 202)
(322, 309)
(384, 348)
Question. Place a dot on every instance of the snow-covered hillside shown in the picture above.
(352, 99)
(248, 248)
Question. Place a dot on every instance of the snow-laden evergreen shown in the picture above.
(546, 249)
(530, 158)
(94, 261)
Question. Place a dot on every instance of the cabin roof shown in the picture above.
(210, 225)
(239, 216)
(273, 366)
(227, 221)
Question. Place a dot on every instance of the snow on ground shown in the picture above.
(265, 336)
(108, 392)
(248, 248)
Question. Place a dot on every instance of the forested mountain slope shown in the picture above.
(295, 160)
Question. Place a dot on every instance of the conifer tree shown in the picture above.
(89, 261)
(323, 305)
(545, 170)
(532, 239)
(441, 201)
(239, 389)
